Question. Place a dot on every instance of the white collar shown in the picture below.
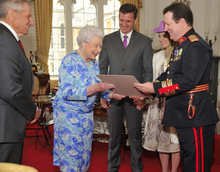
(122, 35)
(10, 28)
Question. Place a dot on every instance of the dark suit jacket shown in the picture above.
(135, 60)
(16, 84)
(189, 66)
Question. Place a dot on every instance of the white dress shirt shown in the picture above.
(128, 38)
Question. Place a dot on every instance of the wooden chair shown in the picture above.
(41, 124)
(36, 86)
(34, 127)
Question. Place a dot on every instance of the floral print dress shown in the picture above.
(73, 113)
(157, 136)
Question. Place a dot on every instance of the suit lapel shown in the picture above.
(6, 31)
(120, 45)
(118, 39)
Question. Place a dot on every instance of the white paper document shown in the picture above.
(124, 84)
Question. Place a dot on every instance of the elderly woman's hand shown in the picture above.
(136, 98)
(99, 87)
(104, 86)
(119, 96)
(105, 104)
(113, 95)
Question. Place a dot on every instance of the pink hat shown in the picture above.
(160, 28)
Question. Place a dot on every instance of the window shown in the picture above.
(69, 16)
(111, 16)
(83, 13)
(62, 43)
(62, 30)
(56, 51)
(62, 37)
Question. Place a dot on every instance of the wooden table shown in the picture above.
(43, 78)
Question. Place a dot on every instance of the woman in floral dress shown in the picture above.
(74, 101)
(157, 136)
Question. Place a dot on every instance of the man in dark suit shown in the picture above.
(133, 58)
(185, 85)
(16, 78)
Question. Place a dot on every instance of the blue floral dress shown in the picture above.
(73, 113)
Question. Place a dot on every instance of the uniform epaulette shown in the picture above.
(193, 38)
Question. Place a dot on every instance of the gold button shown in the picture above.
(168, 65)
(171, 60)
(168, 72)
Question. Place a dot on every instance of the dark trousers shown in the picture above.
(11, 152)
(133, 116)
(196, 148)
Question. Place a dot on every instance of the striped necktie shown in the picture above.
(125, 41)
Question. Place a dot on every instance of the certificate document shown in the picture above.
(124, 85)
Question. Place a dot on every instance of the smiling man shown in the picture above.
(126, 52)
(16, 78)
(185, 84)
(193, 113)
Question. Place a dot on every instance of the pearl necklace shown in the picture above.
(87, 62)
(81, 55)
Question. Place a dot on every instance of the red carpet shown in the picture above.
(42, 159)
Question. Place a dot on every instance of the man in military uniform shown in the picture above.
(185, 85)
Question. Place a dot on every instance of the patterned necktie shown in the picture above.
(21, 45)
(125, 41)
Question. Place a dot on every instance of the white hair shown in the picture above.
(16, 5)
(88, 33)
